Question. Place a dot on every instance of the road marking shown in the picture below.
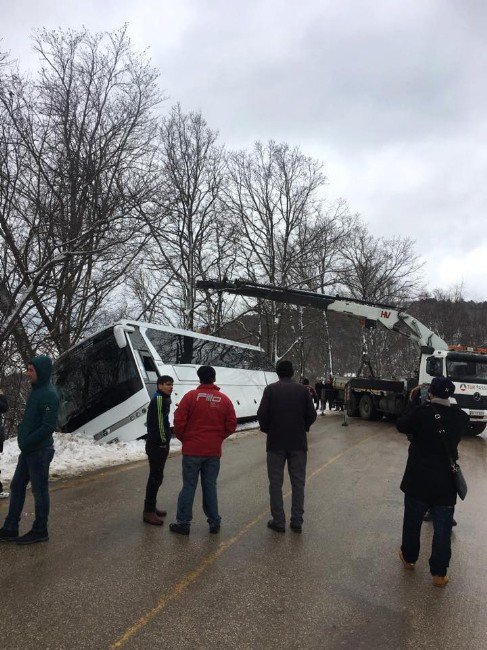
(190, 577)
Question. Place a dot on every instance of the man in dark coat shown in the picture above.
(285, 414)
(428, 481)
(34, 437)
(319, 388)
(329, 393)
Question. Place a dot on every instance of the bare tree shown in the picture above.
(322, 266)
(189, 237)
(273, 192)
(381, 271)
(77, 160)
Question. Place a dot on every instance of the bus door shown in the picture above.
(145, 361)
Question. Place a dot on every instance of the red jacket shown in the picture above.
(203, 419)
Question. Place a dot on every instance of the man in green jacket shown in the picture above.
(36, 453)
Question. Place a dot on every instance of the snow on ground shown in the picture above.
(76, 455)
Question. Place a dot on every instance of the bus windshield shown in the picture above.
(470, 368)
(93, 378)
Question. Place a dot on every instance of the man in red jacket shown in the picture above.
(202, 421)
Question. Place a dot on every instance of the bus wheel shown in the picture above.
(367, 409)
(476, 428)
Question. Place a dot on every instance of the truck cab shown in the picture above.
(467, 369)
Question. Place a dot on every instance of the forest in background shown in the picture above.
(114, 204)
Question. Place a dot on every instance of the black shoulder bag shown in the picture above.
(460, 482)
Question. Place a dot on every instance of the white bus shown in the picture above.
(106, 381)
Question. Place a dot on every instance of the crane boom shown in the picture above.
(388, 316)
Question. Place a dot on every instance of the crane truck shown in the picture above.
(371, 397)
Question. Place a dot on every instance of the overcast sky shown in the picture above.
(389, 94)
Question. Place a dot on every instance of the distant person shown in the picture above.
(311, 390)
(204, 418)
(3, 409)
(157, 447)
(319, 388)
(428, 482)
(285, 414)
(36, 445)
(329, 393)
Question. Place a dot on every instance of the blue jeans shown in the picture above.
(442, 517)
(33, 467)
(193, 466)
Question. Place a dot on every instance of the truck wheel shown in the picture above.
(476, 428)
(367, 409)
(352, 407)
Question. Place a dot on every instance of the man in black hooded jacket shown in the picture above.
(428, 481)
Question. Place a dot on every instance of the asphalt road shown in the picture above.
(106, 580)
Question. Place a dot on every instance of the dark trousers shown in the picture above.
(296, 466)
(329, 398)
(442, 517)
(33, 467)
(157, 455)
(194, 466)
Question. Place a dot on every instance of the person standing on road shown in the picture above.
(329, 393)
(312, 392)
(420, 395)
(3, 409)
(319, 388)
(428, 482)
(36, 445)
(157, 447)
(285, 414)
(204, 418)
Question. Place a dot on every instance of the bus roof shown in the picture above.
(163, 328)
(196, 335)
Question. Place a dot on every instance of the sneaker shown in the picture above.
(440, 581)
(407, 565)
(32, 537)
(454, 523)
(152, 518)
(4, 495)
(273, 526)
(161, 513)
(180, 529)
(214, 529)
(296, 528)
(8, 535)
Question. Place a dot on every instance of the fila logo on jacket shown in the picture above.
(209, 397)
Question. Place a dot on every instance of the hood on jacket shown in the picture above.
(43, 367)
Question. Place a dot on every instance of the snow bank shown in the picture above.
(76, 455)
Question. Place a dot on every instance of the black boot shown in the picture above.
(8, 535)
(33, 536)
(273, 526)
(180, 529)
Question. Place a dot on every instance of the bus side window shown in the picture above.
(434, 366)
